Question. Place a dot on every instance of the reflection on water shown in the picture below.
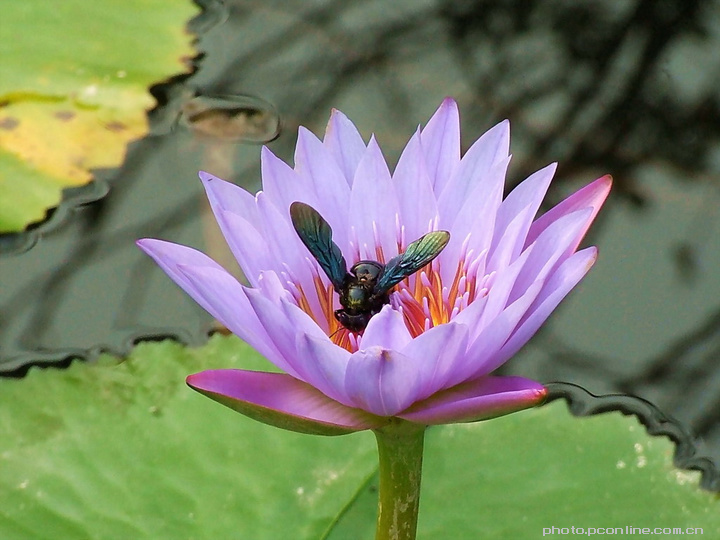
(628, 88)
(242, 119)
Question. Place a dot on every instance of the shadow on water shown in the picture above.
(629, 88)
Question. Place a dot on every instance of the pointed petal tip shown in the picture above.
(449, 101)
(305, 137)
(480, 399)
(447, 112)
(206, 177)
(602, 186)
(592, 257)
(194, 380)
(538, 395)
(150, 246)
(145, 245)
(608, 179)
(450, 108)
(503, 124)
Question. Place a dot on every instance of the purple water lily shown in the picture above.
(427, 356)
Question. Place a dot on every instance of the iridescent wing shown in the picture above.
(418, 254)
(316, 234)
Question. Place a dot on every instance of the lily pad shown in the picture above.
(74, 81)
(25, 192)
(546, 468)
(126, 450)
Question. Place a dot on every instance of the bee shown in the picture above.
(365, 289)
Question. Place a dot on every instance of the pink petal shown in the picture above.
(556, 288)
(286, 253)
(441, 143)
(169, 255)
(481, 354)
(237, 216)
(507, 248)
(386, 329)
(344, 143)
(474, 217)
(436, 354)
(246, 244)
(227, 196)
(416, 199)
(308, 353)
(552, 246)
(216, 291)
(282, 401)
(282, 184)
(591, 196)
(526, 197)
(327, 181)
(470, 316)
(324, 366)
(284, 324)
(477, 164)
(227, 300)
(381, 381)
(497, 296)
(272, 287)
(482, 399)
(373, 205)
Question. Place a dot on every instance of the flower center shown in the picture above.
(422, 298)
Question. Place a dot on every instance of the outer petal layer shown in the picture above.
(282, 401)
(481, 399)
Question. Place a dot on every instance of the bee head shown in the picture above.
(367, 271)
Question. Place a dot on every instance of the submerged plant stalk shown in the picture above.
(400, 450)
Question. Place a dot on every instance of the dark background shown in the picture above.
(629, 88)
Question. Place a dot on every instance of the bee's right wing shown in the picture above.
(418, 254)
(316, 234)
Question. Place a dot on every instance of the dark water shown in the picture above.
(628, 88)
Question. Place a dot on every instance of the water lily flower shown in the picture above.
(428, 355)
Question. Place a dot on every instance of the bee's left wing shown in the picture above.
(418, 254)
(316, 234)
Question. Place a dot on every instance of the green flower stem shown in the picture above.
(400, 449)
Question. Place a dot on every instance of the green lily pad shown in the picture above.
(25, 192)
(129, 451)
(547, 468)
(126, 450)
(521, 475)
(74, 80)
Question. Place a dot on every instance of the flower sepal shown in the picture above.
(279, 400)
(473, 401)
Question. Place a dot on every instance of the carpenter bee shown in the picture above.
(364, 290)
